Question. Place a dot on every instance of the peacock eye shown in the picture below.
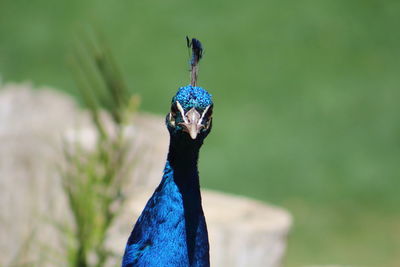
(209, 112)
(207, 117)
(172, 114)
(174, 109)
(171, 119)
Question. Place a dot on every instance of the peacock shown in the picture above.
(172, 231)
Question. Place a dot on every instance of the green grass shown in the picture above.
(306, 94)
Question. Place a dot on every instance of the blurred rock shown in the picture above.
(33, 126)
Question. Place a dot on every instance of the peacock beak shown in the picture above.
(192, 123)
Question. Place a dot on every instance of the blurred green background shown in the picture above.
(306, 101)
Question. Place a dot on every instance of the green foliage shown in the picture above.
(93, 179)
(93, 187)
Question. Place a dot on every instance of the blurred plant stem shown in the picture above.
(93, 179)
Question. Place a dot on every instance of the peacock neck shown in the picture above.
(171, 231)
(182, 159)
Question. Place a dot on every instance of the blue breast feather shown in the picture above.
(159, 237)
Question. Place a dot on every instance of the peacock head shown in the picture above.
(191, 113)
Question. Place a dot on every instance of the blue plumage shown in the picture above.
(171, 231)
(192, 96)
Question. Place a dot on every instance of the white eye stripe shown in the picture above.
(202, 115)
(181, 111)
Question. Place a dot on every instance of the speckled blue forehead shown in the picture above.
(191, 96)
